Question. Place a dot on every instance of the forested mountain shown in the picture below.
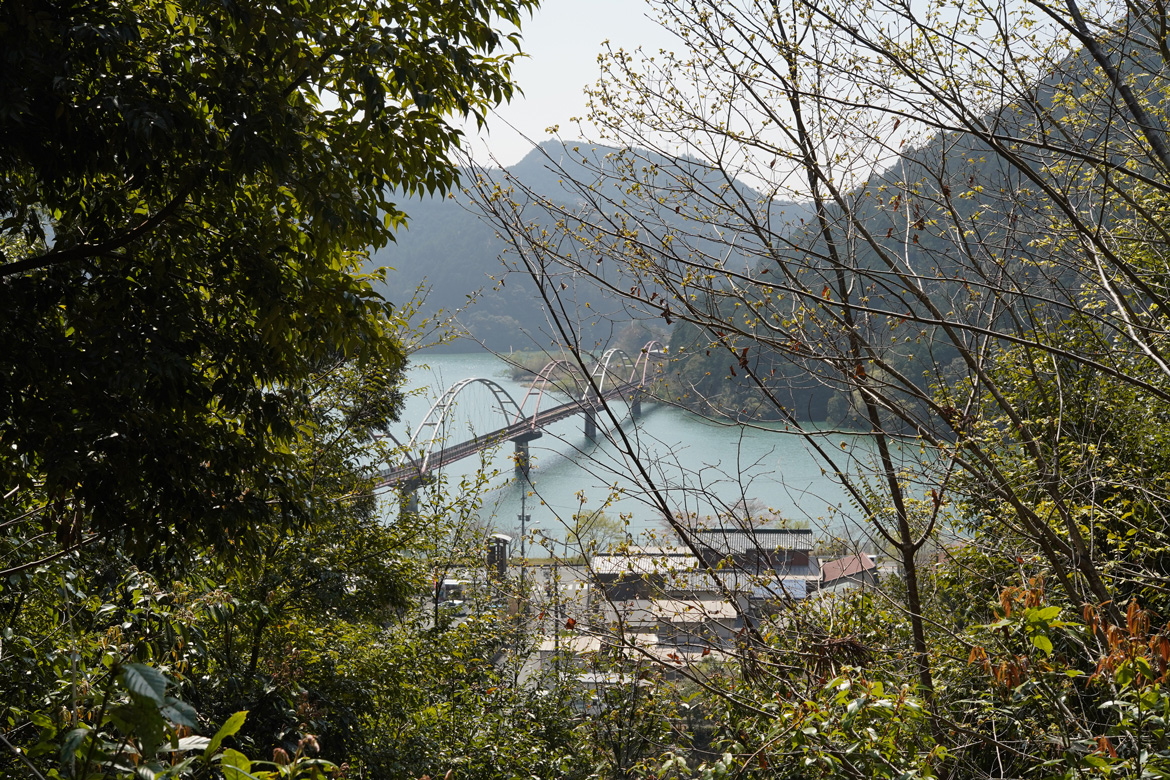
(469, 272)
(949, 211)
(476, 275)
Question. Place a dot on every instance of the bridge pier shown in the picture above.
(522, 458)
(408, 494)
(636, 405)
(521, 455)
(590, 425)
(408, 500)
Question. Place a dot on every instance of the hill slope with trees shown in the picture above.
(197, 579)
(468, 272)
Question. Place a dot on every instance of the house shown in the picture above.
(852, 571)
(780, 552)
(694, 597)
(577, 646)
(755, 564)
(768, 565)
(695, 623)
(642, 572)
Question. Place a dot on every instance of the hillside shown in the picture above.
(470, 275)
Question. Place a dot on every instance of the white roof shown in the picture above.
(647, 613)
(578, 644)
(643, 564)
(693, 611)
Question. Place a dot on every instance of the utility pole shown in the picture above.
(523, 467)
(523, 531)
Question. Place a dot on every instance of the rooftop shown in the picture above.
(646, 560)
(849, 566)
(732, 541)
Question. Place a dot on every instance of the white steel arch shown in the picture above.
(656, 348)
(611, 362)
(602, 369)
(543, 380)
(437, 415)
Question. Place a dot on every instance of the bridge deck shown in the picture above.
(409, 472)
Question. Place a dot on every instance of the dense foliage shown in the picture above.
(188, 192)
(195, 365)
(197, 579)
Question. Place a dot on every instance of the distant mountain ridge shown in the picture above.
(449, 247)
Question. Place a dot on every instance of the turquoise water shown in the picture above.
(695, 466)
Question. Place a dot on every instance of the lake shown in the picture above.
(699, 467)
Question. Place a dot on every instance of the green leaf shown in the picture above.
(235, 765)
(1048, 613)
(71, 742)
(187, 744)
(145, 681)
(1042, 642)
(40, 719)
(149, 727)
(230, 727)
(180, 713)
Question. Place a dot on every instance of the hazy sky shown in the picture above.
(562, 41)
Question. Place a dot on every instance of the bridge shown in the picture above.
(614, 375)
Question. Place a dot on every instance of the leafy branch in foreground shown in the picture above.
(947, 223)
(184, 223)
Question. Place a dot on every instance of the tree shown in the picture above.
(188, 192)
(322, 635)
(594, 531)
(980, 282)
(194, 363)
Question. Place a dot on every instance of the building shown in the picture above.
(757, 563)
(692, 599)
(852, 571)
